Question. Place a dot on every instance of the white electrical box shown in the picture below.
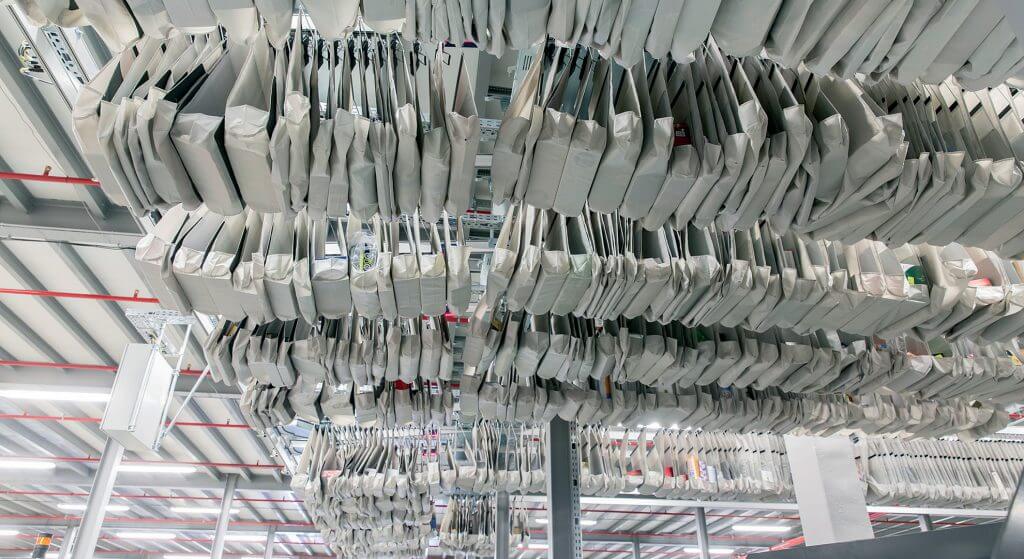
(138, 403)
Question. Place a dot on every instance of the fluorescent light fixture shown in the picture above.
(246, 538)
(764, 529)
(543, 520)
(81, 506)
(19, 464)
(156, 469)
(536, 546)
(146, 535)
(711, 550)
(200, 510)
(8, 533)
(54, 396)
(185, 556)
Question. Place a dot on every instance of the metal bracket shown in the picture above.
(158, 344)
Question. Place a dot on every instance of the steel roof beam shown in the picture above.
(59, 220)
(26, 278)
(86, 276)
(85, 380)
(16, 192)
(48, 127)
(195, 482)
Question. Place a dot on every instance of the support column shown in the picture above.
(828, 491)
(702, 533)
(636, 548)
(224, 519)
(925, 521)
(565, 540)
(268, 552)
(70, 535)
(99, 495)
(503, 526)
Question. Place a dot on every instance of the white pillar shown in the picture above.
(828, 492)
(702, 533)
(502, 527)
(70, 535)
(268, 552)
(102, 486)
(225, 517)
(564, 536)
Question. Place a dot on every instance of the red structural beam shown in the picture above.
(91, 459)
(130, 497)
(48, 178)
(73, 295)
(69, 419)
(23, 552)
(79, 366)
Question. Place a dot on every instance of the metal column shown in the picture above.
(84, 546)
(702, 533)
(565, 540)
(636, 548)
(268, 552)
(225, 517)
(829, 493)
(70, 535)
(925, 521)
(502, 528)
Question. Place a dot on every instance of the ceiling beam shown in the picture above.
(96, 381)
(26, 278)
(194, 482)
(84, 274)
(59, 220)
(48, 127)
(16, 192)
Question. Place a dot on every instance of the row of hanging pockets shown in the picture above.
(488, 396)
(568, 349)
(717, 140)
(940, 473)
(684, 465)
(351, 350)
(906, 40)
(603, 267)
(469, 525)
(194, 120)
(364, 481)
(387, 404)
(961, 178)
(275, 267)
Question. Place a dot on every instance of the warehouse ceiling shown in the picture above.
(69, 238)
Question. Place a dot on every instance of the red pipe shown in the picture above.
(82, 366)
(72, 295)
(90, 459)
(199, 521)
(48, 178)
(144, 553)
(141, 497)
(62, 418)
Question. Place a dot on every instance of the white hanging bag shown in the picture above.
(436, 149)
(511, 143)
(405, 272)
(621, 116)
(459, 280)
(433, 273)
(330, 268)
(463, 125)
